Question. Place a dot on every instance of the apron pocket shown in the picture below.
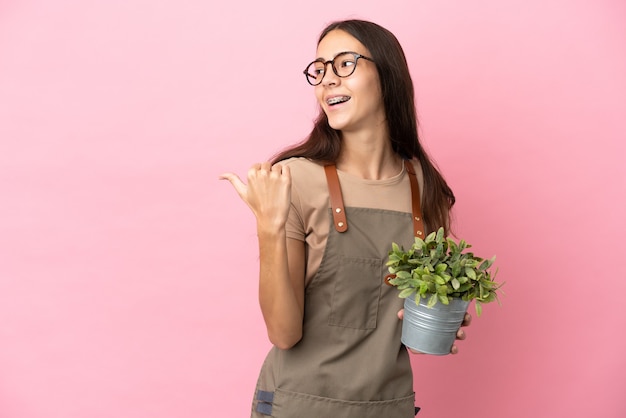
(287, 404)
(356, 294)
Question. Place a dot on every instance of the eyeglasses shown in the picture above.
(343, 65)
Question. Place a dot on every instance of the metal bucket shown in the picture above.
(432, 330)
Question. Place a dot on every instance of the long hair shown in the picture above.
(323, 144)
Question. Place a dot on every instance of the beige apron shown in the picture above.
(350, 361)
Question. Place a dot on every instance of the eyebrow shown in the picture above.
(336, 55)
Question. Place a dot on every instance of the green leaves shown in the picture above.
(486, 264)
(431, 301)
(439, 268)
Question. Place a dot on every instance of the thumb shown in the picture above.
(401, 314)
(234, 179)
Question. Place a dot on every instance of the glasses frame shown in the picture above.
(332, 65)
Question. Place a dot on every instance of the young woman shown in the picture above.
(327, 211)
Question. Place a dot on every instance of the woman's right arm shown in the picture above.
(282, 260)
(281, 288)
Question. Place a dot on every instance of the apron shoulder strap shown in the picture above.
(418, 222)
(336, 198)
(339, 213)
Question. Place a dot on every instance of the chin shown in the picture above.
(337, 125)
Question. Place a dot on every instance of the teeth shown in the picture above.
(339, 99)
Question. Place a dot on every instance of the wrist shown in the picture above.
(270, 231)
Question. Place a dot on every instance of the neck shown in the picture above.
(369, 156)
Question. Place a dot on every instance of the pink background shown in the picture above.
(128, 272)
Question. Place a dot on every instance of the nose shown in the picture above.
(330, 78)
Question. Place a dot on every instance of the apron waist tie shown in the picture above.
(265, 398)
(264, 406)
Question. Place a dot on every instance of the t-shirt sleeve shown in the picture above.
(295, 224)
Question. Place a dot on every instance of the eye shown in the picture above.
(346, 62)
(317, 69)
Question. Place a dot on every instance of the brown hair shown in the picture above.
(324, 143)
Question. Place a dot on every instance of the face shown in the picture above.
(355, 102)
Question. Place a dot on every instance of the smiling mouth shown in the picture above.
(336, 100)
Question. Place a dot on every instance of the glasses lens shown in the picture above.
(315, 72)
(345, 64)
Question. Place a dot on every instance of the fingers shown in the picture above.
(258, 169)
(467, 319)
(265, 169)
(267, 192)
(401, 314)
(460, 334)
(284, 170)
(239, 186)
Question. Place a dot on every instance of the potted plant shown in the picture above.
(438, 280)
